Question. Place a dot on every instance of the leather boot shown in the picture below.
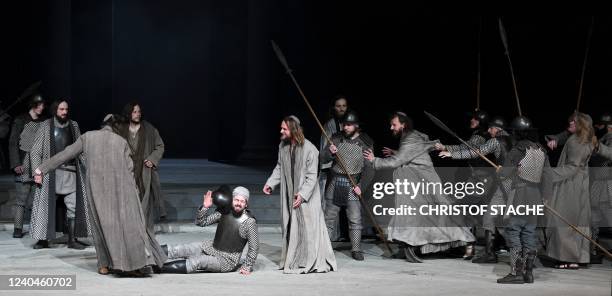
(411, 256)
(41, 244)
(178, 266)
(529, 262)
(489, 256)
(72, 243)
(516, 269)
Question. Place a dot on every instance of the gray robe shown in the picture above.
(120, 235)
(432, 233)
(153, 150)
(571, 199)
(306, 246)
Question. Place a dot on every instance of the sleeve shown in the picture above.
(250, 231)
(490, 146)
(406, 151)
(605, 151)
(547, 181)
(36, 153)
(325, 155)
(368, 171)
(474, 141)
(310, 174)
(158, 150)
(275, 178)
(561, 137)
(206, 216)
(577, 155)
(16, 129)
(68, 153)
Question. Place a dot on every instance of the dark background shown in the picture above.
(207, 78)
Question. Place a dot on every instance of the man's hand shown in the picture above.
(297, 201)
(552, 144)
(357, 190)
(439, 147)
(368, 154)
(148, 163)
(388, 151)
(267, 190)
(444, 154)
(244, 271)
(208, 199)
(333, 149)
(18, 170)
(38, 176)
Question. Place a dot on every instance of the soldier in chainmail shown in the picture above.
(480, 171)
(332, 126)
(498, 145)
(601, 186)
(21, 139)
(528, 167)
(236, 228)
(349, 144)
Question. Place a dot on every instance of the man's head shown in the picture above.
(340, 106)
(604, 122)
(60, 110)
(400, 123)
(479, 119)
(240, 199)
(37, 104)
(496, 126)
(291, 130)
(350, 123)
(132, 112)
(571, 123)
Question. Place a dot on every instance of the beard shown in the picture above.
(397, 134)
(62, 120)
(348, 135)
(285, 140)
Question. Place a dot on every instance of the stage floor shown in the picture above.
(184, 182)
(374, 276)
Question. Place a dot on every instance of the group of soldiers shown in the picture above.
(578, 188)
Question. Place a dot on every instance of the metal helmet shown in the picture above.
(222, 199)
(521, 123)
(605, 119)
(481, 115)
(350, 117)
(498, 122)
(35, 99)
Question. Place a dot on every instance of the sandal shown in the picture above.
(103, 270)
(567, 266)
(469, 252)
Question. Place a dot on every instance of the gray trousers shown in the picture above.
(196, 259)
(520, 234)
(353, 213)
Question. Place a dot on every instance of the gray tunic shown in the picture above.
(413, 163)
(571, 199)
(121, 238)
(306, 246)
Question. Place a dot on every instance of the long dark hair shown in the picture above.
(127, 111)
(55, 105)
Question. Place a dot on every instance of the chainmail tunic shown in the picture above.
(351, 152)
(230, 261)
